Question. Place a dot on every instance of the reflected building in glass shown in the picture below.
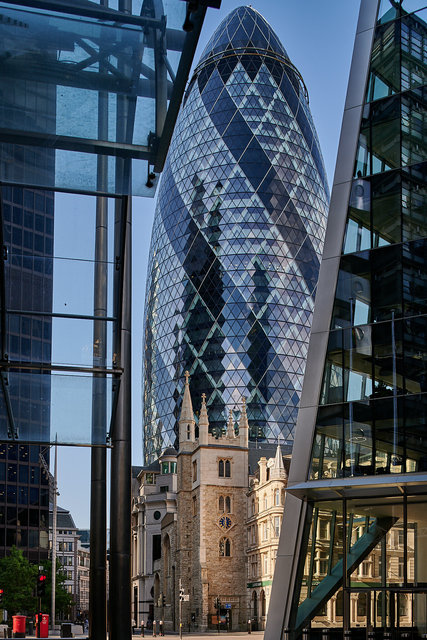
(354, 539)
(237, 239)
(28, 238)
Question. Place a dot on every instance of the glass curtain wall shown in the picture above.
(362, 563)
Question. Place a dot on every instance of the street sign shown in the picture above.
(186, 597)
(227, 605)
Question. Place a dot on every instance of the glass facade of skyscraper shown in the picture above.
(360, 489)
(89, 97)
(237, 240)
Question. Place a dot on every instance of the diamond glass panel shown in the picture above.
(237, 240)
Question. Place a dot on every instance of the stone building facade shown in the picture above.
(83, 568)
(154, 504)
(265, 500)
(206, 547)
(66, 541)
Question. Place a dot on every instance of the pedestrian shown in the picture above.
(142, 627)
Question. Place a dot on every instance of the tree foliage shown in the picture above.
(18, 581)
(63, 600)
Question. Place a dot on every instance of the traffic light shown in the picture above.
(163, 600)
(41, 584)
(217, 603)
(181, 594)
(1, 595)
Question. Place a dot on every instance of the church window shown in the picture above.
(194, 470)
(227, 504)
(188, 432)
(276, 497)
(224, 469)
(225, 547)
(221, 504)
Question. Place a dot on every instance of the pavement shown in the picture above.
(229, 635)
(224, 635)
(194, 635)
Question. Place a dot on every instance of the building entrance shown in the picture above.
(402, 612)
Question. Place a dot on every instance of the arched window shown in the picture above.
(221, 468)
(225, 548)
(224, 468)
(221, 504)
(276, 497)
(188, 432)
(227, 504)
(227, 469)
(262, 602)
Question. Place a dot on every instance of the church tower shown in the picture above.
(212, 486)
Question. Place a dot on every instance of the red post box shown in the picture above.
(42, 624)
(18, 628)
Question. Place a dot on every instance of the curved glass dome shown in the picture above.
(237, 238)
(243, 28)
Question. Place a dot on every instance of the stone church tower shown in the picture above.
(211, 511)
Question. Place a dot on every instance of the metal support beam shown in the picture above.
(120, 502)
(98, 501)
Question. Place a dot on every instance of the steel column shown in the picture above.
(120, 502)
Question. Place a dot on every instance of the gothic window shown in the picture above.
(227, 504)
(224, 469)
(276, 497)
(225, 547)
(194, 470)
(194, 505)
(188, 432)
(221, 504)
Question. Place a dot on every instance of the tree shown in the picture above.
(18, 580)
(63, 600)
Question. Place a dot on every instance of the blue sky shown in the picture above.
(318, 37)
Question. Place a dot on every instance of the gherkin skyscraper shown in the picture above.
(237, 239)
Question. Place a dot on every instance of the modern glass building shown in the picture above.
(354, 540)
(89, 96)
(237, 239)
